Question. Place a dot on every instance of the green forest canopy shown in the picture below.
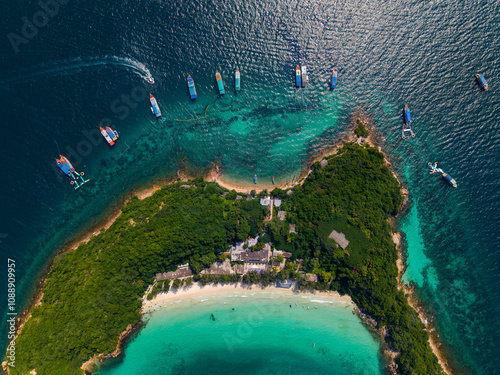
(94, 292)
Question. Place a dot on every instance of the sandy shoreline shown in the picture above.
(196, 290)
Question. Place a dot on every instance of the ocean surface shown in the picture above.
(66, 69)
(253, 333)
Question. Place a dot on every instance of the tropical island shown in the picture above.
(330, 232)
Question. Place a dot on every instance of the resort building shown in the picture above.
(339, 238)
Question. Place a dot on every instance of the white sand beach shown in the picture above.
(197, 291)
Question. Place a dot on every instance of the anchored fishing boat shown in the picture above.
(112, 133)
(407, 132)
(220, 85)
(106, 136)
(333, 79)
(434, 169)
(237, 80)
(64, 165)
(154, 106)
(192, 87)
(305, 78)
(482, 81)
(298, 80)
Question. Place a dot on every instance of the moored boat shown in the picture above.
(106, 136)
(333, 79)
(449, 179)
(192, 87)
(237, 80)
(65, 165)
(220, 84)
(482, 81)
(154, 106)
(305, 77)
(407, 131)
(112, 133)
(298, 79)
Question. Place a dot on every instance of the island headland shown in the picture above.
(328, 233)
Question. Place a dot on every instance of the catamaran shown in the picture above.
(237, 80)
(192, 87)
(220, 85)
(298, 79)
(407, 132)
(154, 106)
(333, 79)
(482, 81)
(64, 165)
(304, 76)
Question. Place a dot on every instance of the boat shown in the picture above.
(304, 75)
(154, 106)
(112, 133)
(106, 136)
(434, 169)
(482, 81)
(255, 179)
(237, 80)
(449, 179)
(150, 79)
(63, 168)
(333, 79)
(298, 80)
(192, 87)
(407, 132)
(273, 180)
(220, 85)
(65, 165)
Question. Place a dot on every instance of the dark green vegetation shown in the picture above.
(93, 293)
(356, 194)
(361, 131)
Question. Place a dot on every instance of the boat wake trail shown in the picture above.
(67, 67)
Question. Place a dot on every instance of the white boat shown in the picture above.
(305, 78)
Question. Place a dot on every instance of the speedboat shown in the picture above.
(220, 84)
(304, 75)
(298, 80)
(333, 79)
(192, 87)
(237, 80)
(106, 136)
(407, 132)
(154, 106)
(150, 79)
(482, 81)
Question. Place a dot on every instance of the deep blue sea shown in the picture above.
(68, 68)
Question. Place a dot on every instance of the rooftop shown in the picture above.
(339, 238)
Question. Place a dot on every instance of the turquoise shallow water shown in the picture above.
(262, 335)
(91, 58)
